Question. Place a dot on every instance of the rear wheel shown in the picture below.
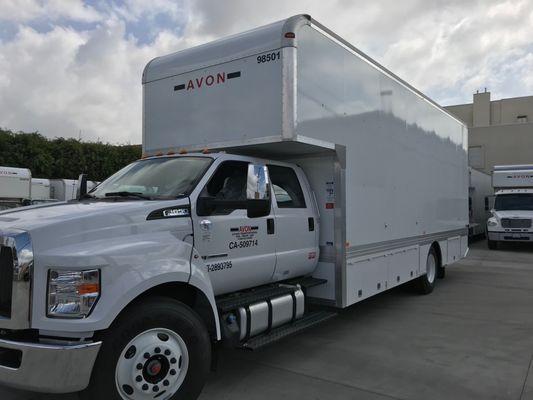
(426, 283)
(158, 349)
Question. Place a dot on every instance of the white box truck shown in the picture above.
(15, 186)
(282, 168)
(512, 215)
(63, 189)
(480, 197)
(40, 189)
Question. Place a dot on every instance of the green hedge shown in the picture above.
(63, 158)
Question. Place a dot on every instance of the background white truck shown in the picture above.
(512, 215)
(15, 186)
(480, 199)
(328, 180)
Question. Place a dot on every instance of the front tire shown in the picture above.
(158, 347)
(426, 283)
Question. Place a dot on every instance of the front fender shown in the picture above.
(129, 266)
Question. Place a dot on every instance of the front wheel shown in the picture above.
(426, 283)
(158, 349)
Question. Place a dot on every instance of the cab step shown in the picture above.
(307, 321)
(242, 299)
(307, 282)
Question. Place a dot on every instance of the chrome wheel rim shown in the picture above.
(431, 268)
(154, 364)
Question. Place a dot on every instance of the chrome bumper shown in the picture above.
(511, 236)
(48, 368)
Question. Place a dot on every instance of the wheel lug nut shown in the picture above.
(167, 352)
(173, 360)
(156, 388)
(166, 383)
(139, 378)
(145, 387)
(157, 350)
(139, 366)
(172, 372)
(147, 355)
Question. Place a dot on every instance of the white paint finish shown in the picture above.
(480, 188)
(15, 183)
(63, 189)
(454, 250)
(223, 111)
(406, 159)
(297, 250)
(40, 189)
(134, 254)
(509, 176)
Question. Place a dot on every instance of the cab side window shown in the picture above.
(225, 191)
(286, 187)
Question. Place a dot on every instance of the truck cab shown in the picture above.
(512, 215)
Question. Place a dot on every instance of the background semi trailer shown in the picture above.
(480, 200)
(512, 215)
(262, 190)
(63, 189)
(15, 186)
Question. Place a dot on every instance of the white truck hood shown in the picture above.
(513, 214)
(63, 224)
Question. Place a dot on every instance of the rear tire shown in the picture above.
(158, 345)
(493, 244)
(426, 283)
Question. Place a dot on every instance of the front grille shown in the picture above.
(516, 223)
(6, 280)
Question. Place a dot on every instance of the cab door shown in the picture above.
(238, 251)
(296, 225)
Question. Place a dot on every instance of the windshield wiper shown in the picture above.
(128, 194)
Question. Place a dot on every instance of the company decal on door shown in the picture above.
(243, 237)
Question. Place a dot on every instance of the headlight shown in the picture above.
(492, 222)
(72, 294)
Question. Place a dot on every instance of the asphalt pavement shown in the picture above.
(472, 338)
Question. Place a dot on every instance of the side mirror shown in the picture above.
(257, 191)
(82, 185)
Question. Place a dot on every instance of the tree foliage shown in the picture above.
(63, 158)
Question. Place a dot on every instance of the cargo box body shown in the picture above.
(15, 186)
(388, 166)
(512, 176)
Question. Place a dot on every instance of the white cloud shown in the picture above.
(65, 79)
(27, 10)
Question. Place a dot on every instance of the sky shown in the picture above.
(73, 68)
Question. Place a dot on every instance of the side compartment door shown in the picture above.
(296, 226)
(238, 250)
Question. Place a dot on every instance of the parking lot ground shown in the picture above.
(472, 338)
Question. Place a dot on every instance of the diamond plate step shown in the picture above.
(307, 321)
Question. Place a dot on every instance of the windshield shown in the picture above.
(155, 178)
(523, 201)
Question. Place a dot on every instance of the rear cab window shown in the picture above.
(286, 187)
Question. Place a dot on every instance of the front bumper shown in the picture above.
(511, 236)
(47, 368)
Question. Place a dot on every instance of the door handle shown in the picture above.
(205, 225)
(270, 226)
(311, 224)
